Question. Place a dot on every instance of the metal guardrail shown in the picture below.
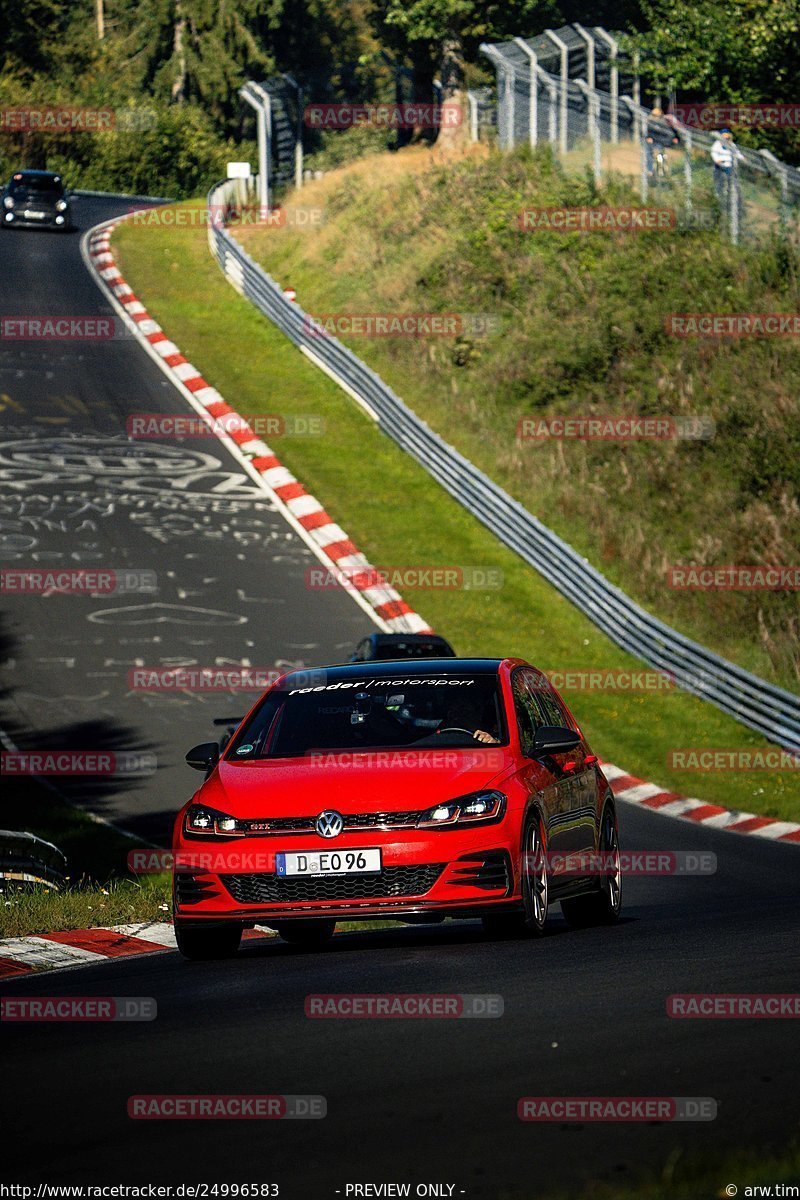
(26, 859)
(762, 706)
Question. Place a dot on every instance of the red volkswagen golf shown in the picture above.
(415, 790)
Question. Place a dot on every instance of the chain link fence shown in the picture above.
(613, 131)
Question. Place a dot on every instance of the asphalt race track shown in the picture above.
(419, 1101)
(75, 491)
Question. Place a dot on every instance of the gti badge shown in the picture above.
(329, 824)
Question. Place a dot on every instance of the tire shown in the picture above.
(535, 883)
(310, 933)
(216, 941)
(603, 906)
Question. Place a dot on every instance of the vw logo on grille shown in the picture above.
(329, 824)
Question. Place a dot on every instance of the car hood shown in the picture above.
(386, 781)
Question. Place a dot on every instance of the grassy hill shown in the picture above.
(581, 332)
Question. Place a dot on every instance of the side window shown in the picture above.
(526, 709)
(551, 709)
(362, 650)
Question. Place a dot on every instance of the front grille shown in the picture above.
(267, 826)
(277, 889)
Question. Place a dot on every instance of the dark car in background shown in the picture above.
(401, 645)
(37, 198)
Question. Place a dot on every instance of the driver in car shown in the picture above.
(463, 714)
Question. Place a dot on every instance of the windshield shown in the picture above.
(37, 183)
(368, 713)
(412, 650)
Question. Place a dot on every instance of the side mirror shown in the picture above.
(553, 739)
(203, 757)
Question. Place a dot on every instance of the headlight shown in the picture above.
(8, 202)
(207, 822)
(61, 205)
(476, 808)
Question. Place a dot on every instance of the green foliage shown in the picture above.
(726, 51)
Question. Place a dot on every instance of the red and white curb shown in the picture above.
(79, 947)
(669, 804)
(328, 540)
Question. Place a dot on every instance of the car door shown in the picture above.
(542, 776)
(577, 779)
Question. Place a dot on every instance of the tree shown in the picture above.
(445, 33)
(725, 51)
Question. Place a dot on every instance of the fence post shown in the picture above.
(613, 45)
(511, 105)
(256, 99)
(688, 175)
(564, 51)
(593, 121)
(472, 101)
(642, 129)
(533, 92)
(733, 201)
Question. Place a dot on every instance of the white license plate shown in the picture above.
(329, 862)
(33, 212)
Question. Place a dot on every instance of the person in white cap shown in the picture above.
(723, 154)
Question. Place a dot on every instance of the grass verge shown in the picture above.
(95, 894)
(708, 1178)
(397, 515)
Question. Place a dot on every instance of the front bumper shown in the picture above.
(443, 872)
(50, 219)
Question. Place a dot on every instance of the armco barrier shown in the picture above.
(758, 704)
(27, 859)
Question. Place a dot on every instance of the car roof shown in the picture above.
(37, 171)
(390, 667)
(390, 639)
